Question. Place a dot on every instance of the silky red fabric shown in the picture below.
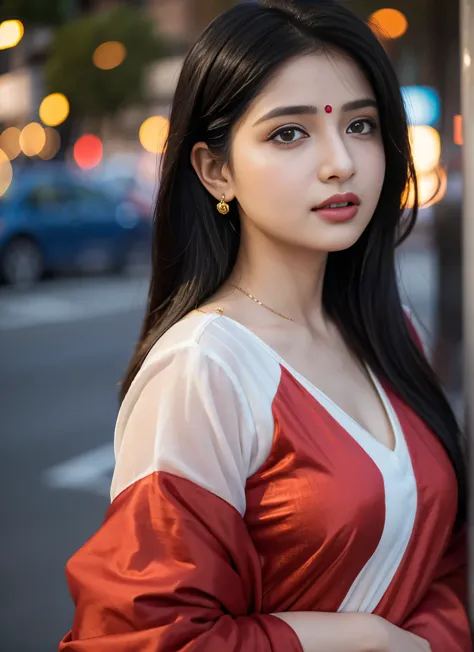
(441, 618)
(428, 594)
(172, 569)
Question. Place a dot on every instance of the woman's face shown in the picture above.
(311, 134)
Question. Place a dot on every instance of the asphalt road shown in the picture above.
(58, 399)
(63, 348)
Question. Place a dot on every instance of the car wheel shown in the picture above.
(21, 263)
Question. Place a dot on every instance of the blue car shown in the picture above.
(55, 220)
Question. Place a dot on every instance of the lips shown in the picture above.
(339, 208)
(348, 198)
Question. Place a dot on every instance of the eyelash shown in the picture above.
(370, 121)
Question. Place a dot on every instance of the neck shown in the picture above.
(288, 279)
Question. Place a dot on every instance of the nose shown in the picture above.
(336, 162)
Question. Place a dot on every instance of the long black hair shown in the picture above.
(195, 249)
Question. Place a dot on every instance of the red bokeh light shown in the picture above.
(88, 151)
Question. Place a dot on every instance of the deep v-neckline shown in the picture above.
(318, 394)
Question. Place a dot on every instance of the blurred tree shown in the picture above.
(93, 92)
(36, 12)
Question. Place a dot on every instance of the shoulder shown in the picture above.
(215, 342)
(205, 390)
(217, 337)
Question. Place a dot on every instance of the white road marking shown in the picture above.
(71, 301)
(90, 471)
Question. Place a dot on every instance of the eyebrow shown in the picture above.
(310, 109)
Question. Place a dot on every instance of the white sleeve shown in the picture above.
(186, 414)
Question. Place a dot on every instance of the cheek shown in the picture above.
(268, 180)
(371, 172)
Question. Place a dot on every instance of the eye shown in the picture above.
(288, 135)
(362, 127)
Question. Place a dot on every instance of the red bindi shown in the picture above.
(328, 108)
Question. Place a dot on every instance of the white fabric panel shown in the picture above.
(194, 411)
(401, 503)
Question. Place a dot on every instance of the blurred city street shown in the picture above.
(58, 400)
(64, 347)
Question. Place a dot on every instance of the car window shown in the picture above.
(47, 194)
(87, 193)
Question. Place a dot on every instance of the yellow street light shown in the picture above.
(6, 173)
(426, 147)
(10, 142)
(32, 139)
(11, 33)
(388, 23)
(54, 109)
(153, 134)
(109, 55)
(431, 188)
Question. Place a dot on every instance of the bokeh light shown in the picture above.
(52, 145)
(458, 133)
(54, 109)
(153, 134)
(388, 23)
(109, 55)
(32, 139)
(426, 148)
(6, 172)
(11, 33)
(10, 142)
(422, 105)
(431, 188)
(88, 151)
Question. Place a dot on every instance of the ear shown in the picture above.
(214, 174)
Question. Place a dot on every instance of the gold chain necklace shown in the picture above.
(220, 311)
(250, 296)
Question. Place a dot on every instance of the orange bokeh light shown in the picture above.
(153, 134)
(10, 142)
(388, 23)
(109, 55)
(52, 145)
(88, 151)
(32, 139)
(458, 137)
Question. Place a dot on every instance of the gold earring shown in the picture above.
(223, 206)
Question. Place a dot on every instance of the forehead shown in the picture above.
(316, 79)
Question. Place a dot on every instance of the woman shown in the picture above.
(289, 475)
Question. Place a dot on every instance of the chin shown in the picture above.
(337, 237)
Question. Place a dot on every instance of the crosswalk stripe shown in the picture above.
(90, 471)
(59, 304)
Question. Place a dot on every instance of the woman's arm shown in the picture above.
(351, 632)
(173, 569)
(335, 632)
